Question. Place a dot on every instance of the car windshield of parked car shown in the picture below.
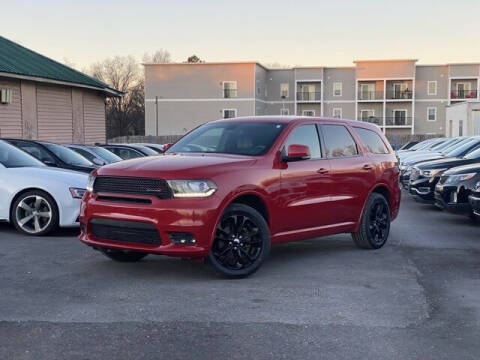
(146, 150)
(67, 155)
(239, 138)
(475, 154)
(459, 149)
(11, 157)
(105, 154)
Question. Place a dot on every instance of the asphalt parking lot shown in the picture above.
(417, 298)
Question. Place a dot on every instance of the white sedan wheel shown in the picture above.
(35, 214)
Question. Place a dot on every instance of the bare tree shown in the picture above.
(276, 65)
(161, 56)
(125, 115)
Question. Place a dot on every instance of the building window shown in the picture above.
(284, 91)
(400, 117)
(5, 96)
(432, 114)
(229, 89)
(367, 92)
(366, 114)
(229, 113)
(460, 127)
(258, 88)
(432, 88)
(284, 112)
(337, 113)
(337, 89)
(308, 112)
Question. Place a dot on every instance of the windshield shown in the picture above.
(146, 150)
(67, 155)
(447, 144)
(475, 154)
(423, 145)
(456, 146)
(11, 157)
(105, 154)
(461, 150)
(241, 138)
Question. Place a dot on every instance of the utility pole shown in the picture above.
(156, 113)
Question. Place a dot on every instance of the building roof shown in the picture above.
(18, 61)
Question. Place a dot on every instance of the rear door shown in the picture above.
(305, 184)
(352, 173)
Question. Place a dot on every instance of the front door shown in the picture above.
(305, 185)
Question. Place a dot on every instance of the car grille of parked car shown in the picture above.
(125, 231)
(132, 185)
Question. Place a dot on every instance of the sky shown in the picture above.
(307, 32)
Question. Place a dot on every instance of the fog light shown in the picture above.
(181, 238)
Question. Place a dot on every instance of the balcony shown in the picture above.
(463, 94)
(399, 95)
(229, 93)
(390, 121)
(398, 121)
(309, 96)
(370, 95)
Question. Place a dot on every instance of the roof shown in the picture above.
(20, 62)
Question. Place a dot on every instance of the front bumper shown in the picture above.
(423, 189)
(196, 217)
(451, 199)
(474, 201)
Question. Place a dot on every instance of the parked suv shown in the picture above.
(230, 188)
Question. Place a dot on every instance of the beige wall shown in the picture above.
(52, 112)
(11, 114)
(385, 69)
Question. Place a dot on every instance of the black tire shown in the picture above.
(123, 256)
(241, 243)
(47, 205)
(375, 223)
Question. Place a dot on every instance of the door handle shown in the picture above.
(367, 167)
(322, 171)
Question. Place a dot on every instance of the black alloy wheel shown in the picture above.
(241, 242)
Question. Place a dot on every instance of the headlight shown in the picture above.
(453, 179)
(431, 173)
(91, 180)
(77, 193)
(192, 188)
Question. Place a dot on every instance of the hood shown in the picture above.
(445, 163)
(170, 166)
(422, 157)
(50, 173)
(465, 169)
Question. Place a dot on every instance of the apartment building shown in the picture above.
(400, 96)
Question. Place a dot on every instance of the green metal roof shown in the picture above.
(18, 60)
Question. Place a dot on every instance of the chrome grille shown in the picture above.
(133, 186)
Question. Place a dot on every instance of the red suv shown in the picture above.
(230, 188)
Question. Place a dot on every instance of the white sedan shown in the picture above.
(37, 198)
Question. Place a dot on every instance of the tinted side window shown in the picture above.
(372, 141)
(306, 135)
(338, 141)
(35, 150)
(84, 153)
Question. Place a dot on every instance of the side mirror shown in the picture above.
(297, 152)
(167, 146)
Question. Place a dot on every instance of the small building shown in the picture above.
(46, 100)
(463, 119)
